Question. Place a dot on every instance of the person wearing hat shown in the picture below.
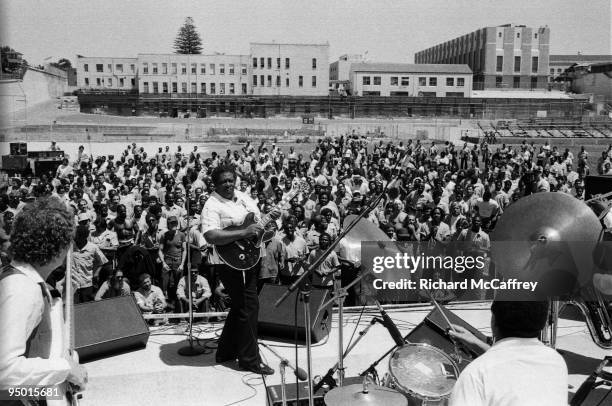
(172, 254)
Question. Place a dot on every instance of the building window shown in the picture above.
(155, 69)
(278, 63)
(164, 68)
(194, 87)
(460, 82)
(232, 89)
(278, 82)
(405, 81)
(286, 82)
(286, 63)
(243, 69)
(499, 35)
(174, 69)
(174, 87)
(203, 69)
(559, 70)
(183, 87)
(164, 87)
(221, 88)
(100, 67)
(422, 81)
(450, 81)
(221, 69)
(300, 81)
(244, 88)
(535, 35)
(500, 63)
(110, 82)
(194, 68)
(552, 71)
(121, 82)
(184, 68)
(119, 68)
(516, 82)
(314, 63)
(534, 64)
(86, 67)
(394, 81)
(517, 63)
(86, 81)
(365, 80)
(155, 87)
(254, 80)
(254, 62)
(518, 35)
(145, 87)
(498, 81)
(262, 63)
(212, 89)
(269, 63)
(132, 68)
(376, 80)
(212, 69)
(534, 82)
(433, 81)
(231, 69)
(133, 82)
(262, 80)
(203, 87)
(269, 80)
(314, 81)
(98, 82)
(109, 67)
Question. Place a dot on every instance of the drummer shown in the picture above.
(517, 369)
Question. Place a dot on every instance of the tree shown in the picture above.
(63, 64)
(188, 40)
(11, 60)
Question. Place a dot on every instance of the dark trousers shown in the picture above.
(83, 295)
(239, 336)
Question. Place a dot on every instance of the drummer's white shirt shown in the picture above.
(513, 372)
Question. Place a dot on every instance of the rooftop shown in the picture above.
(411, 68)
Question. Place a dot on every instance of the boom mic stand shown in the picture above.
(190, 350)
(311, 268)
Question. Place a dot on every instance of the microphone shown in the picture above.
(300, 373)
(390, 326)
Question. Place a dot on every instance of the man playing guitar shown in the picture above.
(31, 318)
(229, 207)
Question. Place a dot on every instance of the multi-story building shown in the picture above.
(289, 69)
(508, 56)
(559, 63)
(107, 73)
(394, 79)
(216, 74)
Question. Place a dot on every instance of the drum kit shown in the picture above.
(421, 374)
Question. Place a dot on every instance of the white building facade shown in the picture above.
(216, 74)
(107, 73)
(289, 69)
(413, 80)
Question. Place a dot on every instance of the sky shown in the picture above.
(388, 30)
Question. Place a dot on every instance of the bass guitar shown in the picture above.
(244, 254)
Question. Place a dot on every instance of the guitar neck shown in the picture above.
(266, 219)
(68, 300)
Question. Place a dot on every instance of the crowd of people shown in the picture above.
(139, 216)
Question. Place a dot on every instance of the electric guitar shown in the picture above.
(244, 254)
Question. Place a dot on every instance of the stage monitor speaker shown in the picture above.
(279, 322)
(108, 327)
(45, 166)
(18, 148)
(597, 185)
(432, 331)
(14, 163)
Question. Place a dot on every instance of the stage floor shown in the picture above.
(157, 375)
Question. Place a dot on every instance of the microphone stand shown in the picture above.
(299, 282)
(190, 350)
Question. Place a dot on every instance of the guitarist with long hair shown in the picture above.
(31, 318)
(225, 208)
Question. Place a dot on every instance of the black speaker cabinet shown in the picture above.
(18, 148)
(109, 327)
(44, 166)
(279, 322)
(14, 162)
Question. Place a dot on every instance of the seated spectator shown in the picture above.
(113, 287)
(200, 290)
(150, 298)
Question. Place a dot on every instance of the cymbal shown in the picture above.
(354, 395)
(544, 236)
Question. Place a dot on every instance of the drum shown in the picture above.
(423, 373)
